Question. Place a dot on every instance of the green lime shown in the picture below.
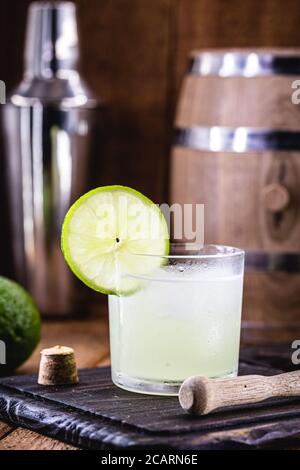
(19, 325)
(105, 230)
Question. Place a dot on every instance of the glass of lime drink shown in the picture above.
(183, 320)
(174, 309)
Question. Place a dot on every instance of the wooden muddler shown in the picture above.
(200, 395)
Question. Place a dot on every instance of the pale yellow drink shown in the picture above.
(183, 320)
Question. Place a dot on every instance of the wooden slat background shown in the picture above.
(134, 55)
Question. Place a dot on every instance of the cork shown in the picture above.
(57, 366)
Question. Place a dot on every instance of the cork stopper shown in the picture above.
(58, 366)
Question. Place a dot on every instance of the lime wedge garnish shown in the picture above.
(105, 232)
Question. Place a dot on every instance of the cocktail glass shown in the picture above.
(183, 319)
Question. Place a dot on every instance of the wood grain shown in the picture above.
(5, 429)
(88, 338)
(23, 439)
(134, 54)
(95, 414)
(201, 395)
(126, 47)
(263, 102)
(206, 24)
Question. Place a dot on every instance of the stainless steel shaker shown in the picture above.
(48, 123)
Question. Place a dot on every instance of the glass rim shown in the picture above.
(229, 251)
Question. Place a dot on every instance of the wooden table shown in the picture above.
(89, 338)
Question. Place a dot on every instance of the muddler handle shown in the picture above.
(200, 395)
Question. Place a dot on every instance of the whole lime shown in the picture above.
(20, 325)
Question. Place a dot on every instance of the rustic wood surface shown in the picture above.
(134, 54)
(5, 429)
(96, 414)
(23, 439)
(203, 24)
(133, 47)
(89, 339)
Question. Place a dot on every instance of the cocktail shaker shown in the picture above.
(49, 122)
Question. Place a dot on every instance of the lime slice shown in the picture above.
(105, 232)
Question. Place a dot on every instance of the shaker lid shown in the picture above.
(52, 40)
(51, 58)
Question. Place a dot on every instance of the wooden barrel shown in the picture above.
(237, 150)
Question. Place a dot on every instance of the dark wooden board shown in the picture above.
(96, 414)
